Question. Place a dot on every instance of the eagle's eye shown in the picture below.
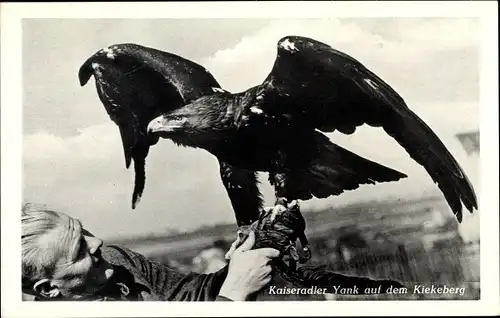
(176, 117)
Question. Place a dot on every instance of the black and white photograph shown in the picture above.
(341, 159)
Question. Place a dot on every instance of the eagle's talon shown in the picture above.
(276, 213)
(281, 201)
(265, 212)
(294, 204)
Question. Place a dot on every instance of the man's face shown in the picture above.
(80, 270)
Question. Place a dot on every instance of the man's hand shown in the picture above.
(249, 270)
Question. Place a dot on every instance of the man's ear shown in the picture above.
(44, 288)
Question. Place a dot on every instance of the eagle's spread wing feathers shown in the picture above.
(127, 135)
(316, 86)
(136, 84)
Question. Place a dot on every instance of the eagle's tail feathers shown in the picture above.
(336, 169)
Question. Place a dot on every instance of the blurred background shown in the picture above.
(73, 158)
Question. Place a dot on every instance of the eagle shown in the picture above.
(277, 126)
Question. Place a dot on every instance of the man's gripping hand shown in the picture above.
(249, 270)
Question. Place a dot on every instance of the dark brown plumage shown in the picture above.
(137, 83)
(275, 127)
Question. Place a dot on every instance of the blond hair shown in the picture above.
(36, 221)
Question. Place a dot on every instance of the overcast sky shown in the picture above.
(73, 158)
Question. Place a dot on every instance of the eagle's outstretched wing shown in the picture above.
(137, 83)
(316, 86)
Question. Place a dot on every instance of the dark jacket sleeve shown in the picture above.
(174, 285)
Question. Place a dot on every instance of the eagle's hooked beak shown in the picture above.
(161, 125)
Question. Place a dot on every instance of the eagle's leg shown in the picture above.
(278, 181)
(296, 221)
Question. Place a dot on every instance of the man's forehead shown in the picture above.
(68, 230)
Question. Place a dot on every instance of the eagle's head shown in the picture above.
(199, 124)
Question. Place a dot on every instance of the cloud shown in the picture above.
(441, 34)
(422, 57)
(52, 55)
(85, 176)
(95, 142)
